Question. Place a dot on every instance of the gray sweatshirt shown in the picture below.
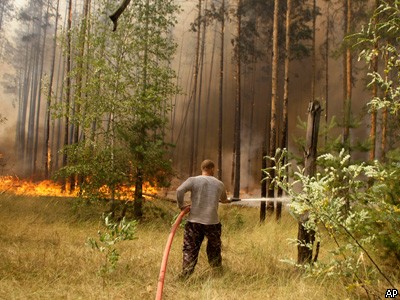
(206, 192)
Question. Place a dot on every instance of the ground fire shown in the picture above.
(17, 186)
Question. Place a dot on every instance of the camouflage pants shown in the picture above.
(192, 240)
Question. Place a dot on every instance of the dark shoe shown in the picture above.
(218, 271)
(184, 276)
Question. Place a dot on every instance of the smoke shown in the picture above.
(256, 95)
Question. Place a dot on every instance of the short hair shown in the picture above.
(207, 164)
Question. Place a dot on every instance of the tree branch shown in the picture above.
(114, 17)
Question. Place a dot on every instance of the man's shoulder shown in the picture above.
(215, 180)
(204, 178)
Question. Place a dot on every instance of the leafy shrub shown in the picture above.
(354, 206)
(115, 233)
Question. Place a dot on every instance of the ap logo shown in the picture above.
(391, 293)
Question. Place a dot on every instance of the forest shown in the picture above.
(294, 98)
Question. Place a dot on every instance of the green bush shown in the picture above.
(356, 208)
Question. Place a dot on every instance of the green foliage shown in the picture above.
(378, 40)
(124, 99)
(355, 207)
(107, 240)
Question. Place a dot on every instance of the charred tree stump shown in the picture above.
(306, 237)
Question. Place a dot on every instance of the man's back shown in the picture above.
(206, 192)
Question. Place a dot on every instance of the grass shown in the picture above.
(43, 255)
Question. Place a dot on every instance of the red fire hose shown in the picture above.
(167, 249)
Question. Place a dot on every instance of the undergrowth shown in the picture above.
(43, 255)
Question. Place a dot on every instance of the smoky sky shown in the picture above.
(256, 95)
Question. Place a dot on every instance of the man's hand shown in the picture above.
(186, 209)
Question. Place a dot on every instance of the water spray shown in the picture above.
(239, 200)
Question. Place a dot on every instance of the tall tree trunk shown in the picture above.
(194, 95)
(348, 78)
(59, 98)
(78, 93)
(173, 105)
(251, 118)
(39, 100)
(384, 118)
(33, 105)
(314, 56)
(25, 79)
(138, 203)
(221, 89)
(47, 152)
(202, 55)
(274, 100)
(284, 134)
(238, 104)
(207, 110)
(68, 89)
(372, 132)
(328, 24)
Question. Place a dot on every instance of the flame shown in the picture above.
(14, 185)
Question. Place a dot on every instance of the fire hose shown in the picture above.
(167, 249)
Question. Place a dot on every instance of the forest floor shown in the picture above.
(44, 255)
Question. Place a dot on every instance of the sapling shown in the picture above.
(106, 243)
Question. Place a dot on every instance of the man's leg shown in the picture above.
(192, 239)
(213, 234)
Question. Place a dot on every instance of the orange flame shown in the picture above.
(18, 186)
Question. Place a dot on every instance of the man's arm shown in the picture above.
(224, 198)
(180, 193)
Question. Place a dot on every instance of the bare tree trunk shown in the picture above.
(384, 119)
(25, 79)
(384, 134)
(47, 158)
(33, 106)
(59, 91)
(68, 88)
(274, 100)
(174, 108)
(348, 78)
(194, 95)
(328, 24)
(38, 112)
(314, 56)
(284, 135)
(138, 203)
(306, 237)
(238, 104)
(78, 94)
(59, 98)
(202, 55)
(372, 132)
(263, 204)
(251, 121)
(209, 95)
(221, 94)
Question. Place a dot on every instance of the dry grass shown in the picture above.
(43, 255)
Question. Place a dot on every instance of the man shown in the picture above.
(206, 193)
